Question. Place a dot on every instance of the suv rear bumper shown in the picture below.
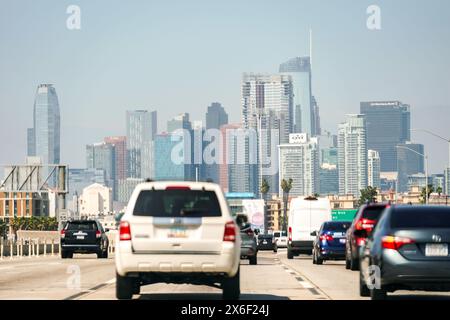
(225, 262)
(81, 248)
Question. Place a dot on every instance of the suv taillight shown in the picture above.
(395, 243)
(63, 233)
(290, 233)
(250, 232)
(124, 231)
(98, 234)
(365, 224)
(230, 232)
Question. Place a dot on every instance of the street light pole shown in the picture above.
(437, 136)
(426, 169)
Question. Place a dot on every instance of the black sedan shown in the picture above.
(267, 242)
(408, 250)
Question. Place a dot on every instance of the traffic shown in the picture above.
(184, 233)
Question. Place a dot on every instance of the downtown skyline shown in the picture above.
(92, 107)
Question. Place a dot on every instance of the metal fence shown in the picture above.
(38, 246)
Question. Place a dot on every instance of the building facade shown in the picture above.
(96, 200)
(299, 161)
(388, 124)
(103, 156)
(267, 109)
(299, 69)
(44, 137)
(409, 162)
(352, 155)
(373, 169)
(141, 131)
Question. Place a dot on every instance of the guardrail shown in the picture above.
(39, 246)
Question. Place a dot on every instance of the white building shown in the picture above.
(373, 169)
(352, 155)
(267, 108)
(299, 160)
(96, 200)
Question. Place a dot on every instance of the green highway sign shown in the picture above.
(343, 214)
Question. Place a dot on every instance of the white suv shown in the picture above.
(177, 232)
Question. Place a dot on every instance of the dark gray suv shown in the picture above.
(408, 250)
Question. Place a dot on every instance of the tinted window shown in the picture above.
(265, 236)
(177, 203)
(337, 226)
(418, 218)
(82, 225)
(372, 213)
(276, 234)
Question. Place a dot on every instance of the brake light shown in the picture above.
(178, 188)
(230, 232)
(63, 233)
(365, 224)
(98, 234)
(326, 237)
(395, 243)
(290, 233)
(124, 231)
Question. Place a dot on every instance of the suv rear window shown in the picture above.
(420, 218)
(372, 213)
(82, 225)
(177, 203)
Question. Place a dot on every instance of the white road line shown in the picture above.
(113, 280)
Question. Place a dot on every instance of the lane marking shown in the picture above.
(90, 291)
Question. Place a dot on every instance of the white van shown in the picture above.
(305, 216)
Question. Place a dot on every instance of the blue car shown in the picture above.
(329, 243)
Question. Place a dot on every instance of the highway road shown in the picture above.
(275, 277)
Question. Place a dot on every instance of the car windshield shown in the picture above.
(420, 218)
(177, 203)
(82, 225)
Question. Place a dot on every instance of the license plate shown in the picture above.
(338, 234)
(342, 240)
(264, 242)
(436, 250)
(80, 237)
(179, 232)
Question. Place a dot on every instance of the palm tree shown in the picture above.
(424, 195)
(286, 186)
(264, 188)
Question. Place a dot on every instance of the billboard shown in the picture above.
(254, 209)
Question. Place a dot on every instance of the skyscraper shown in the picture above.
(102, 156)
(388, 124)
(352, 155)
(180, 121)
(169, 163)
(267, 102)
(120, 163)
(409, 163)
(216, 116)
(299, 69)
(44, 137)
(373, 169)
(299, 161)
(141, 130)
(224, 177)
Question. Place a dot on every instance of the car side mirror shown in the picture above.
(256, 231)
(360, 233)
(106, 230)
(314, 233)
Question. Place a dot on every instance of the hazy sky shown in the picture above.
(179, 56)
